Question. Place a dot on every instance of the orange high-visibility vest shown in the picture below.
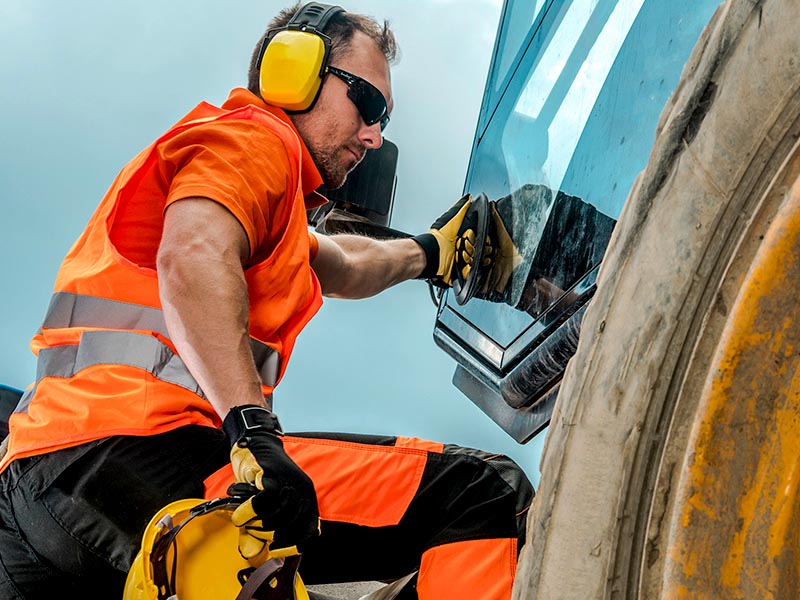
(106, 365)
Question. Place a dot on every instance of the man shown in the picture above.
(171, 323)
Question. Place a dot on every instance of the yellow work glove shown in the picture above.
(283, 511)
(501, 256)
(449, 245)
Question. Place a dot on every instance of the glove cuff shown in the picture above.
(430, 247)
(247, 419)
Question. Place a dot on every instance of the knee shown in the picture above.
(518, 485)
(489, 490)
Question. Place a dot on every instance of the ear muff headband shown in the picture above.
(293, 58)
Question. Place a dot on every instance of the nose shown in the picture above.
(370, 136)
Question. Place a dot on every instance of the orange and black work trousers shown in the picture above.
(71, 521)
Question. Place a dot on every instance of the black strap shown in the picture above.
(284, 572)
(313, 16)
(163, 580)
(245, 419)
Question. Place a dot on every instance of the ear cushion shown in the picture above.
(291, 69)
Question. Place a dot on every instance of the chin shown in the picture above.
(334, 181)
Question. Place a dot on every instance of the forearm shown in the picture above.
(351, 266)
(204, 298)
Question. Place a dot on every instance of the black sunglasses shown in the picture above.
(368, 99)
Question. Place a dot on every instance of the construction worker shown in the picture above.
(173, 318)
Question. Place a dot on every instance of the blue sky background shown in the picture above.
(84, 86)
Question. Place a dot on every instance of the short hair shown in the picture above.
(340, 28)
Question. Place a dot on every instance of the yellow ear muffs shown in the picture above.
(294, 58)
(290, 69)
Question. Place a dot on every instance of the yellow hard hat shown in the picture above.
(190, 552)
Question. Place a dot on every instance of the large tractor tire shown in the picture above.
(672, 463)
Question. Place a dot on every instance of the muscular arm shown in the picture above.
(351, 266)
(204, 298)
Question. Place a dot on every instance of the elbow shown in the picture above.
(337, 279)
(176, 267)
(178, 279)
(334, 269)
(349, 284)
(195, 269)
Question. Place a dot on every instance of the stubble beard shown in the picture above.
(328, 162)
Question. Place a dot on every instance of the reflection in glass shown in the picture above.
(559, 237)
(520, 16)
(567, 139)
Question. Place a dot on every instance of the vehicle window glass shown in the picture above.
(519, 18)
(567, 139)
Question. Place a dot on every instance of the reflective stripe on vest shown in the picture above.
(77, 310)
(112, 348)
(68, 309)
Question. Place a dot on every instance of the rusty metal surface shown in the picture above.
(737, 531)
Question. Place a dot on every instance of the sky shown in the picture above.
(84, 86)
